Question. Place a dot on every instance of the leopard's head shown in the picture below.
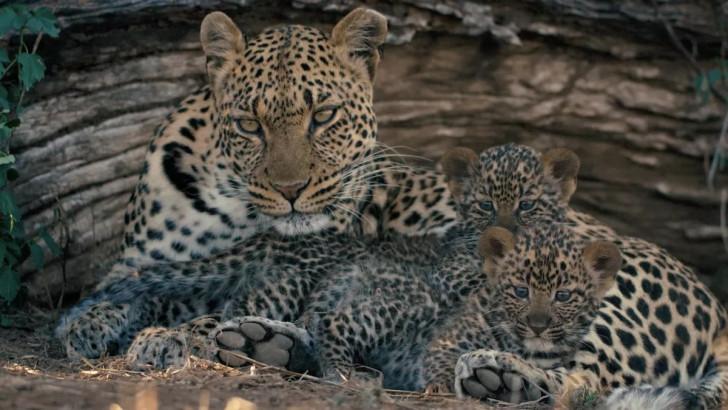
(545, 284)
(511, 185)
(294, 125)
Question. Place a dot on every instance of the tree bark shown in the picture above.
(603, 80)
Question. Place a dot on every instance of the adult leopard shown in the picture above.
(284, 135)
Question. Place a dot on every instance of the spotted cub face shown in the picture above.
(294, 124)
(511, 185)
(547, 287)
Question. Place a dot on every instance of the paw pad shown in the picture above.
(506, 387)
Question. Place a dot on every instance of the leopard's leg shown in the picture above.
(260, 326)
(465, 330)
(439, 365)
(101, 329)
(270, 339)
(505, 377)
(337, 339)
(366, 332)
(162, 348)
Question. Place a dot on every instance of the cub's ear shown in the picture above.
(221, 41)
(357, 38)
(459, 165)
(561, 167)
(602, 261)
(495, 243)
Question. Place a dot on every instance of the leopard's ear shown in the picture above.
(602, 261)
(495, 243)
(459, 165)
(222, 42)
(561, 167)
(357, 38)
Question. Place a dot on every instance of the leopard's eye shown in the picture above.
(521, 292)
(487, 206)
(323, 116)
(562, 295)
(247, 126)
(526, 205)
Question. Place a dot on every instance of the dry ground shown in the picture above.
(35, 375)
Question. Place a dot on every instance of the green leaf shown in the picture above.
(31, 70)
(50, 242)
(10, 213)
(36, 255)
(42, 20)
(5, 133)
(9, 284)
(23, 14)
(8, 20)
(15, 91)
(698, 82)
(11, 258)
(4, 103)
(3, 252)
(714, 76)
(4, 59)
(6, 207)
(7, 159)
(5, 321)
(700, 88)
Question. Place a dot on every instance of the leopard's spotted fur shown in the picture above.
(656, 326)
(284, 136)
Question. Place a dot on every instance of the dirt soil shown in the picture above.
(34, 374)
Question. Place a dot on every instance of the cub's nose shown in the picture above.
(291, 191)
(538, 322)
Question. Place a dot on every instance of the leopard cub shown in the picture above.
(544, 289)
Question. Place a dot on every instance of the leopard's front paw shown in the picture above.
(504, 377)
(95, 332)
(272, 342)
(158, 348)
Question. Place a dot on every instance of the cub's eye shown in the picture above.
(323, 116)
(526, 205)
(562, 295)
(487, 206)
(521, 292)
(247, 126)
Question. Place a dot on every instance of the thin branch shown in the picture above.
(689, 56)
(718, 154)
(724, 217)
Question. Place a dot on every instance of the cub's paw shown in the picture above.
(158, 348)
(272, 342)
(490, 374)
(94, 332)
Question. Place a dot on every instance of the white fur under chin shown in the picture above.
(301, 224)
(537, 343)
(646, 398)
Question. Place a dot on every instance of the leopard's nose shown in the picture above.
(538, 322)
(291, 191)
